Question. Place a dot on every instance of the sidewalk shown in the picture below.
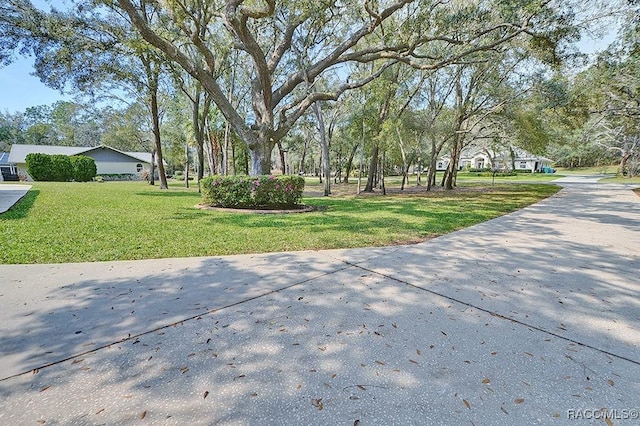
(533, 317)
(11, 194)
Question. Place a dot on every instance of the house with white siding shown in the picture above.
(109, 161)
(474, 158)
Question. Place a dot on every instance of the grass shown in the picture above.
(518, 178)
(77, 222)
(621, 179)
(595, 170)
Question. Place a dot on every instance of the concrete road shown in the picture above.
(530, 318)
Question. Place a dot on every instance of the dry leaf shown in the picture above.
(519, 400)
(362, 387)
(206, 394)
(254, 394)
(611, 382)
(466, 403)
(608, 421)
(485, 381)
(99, 411)
(239, 377)
(143, 415)
(299, 386)
(412, 361)
(45, 388)
(380, 362)
(418, 352)
(42, 422)
(317, 403)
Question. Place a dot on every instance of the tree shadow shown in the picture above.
(441, 332)
(21, 209)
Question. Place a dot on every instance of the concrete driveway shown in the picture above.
(533, 317)
(11, 194)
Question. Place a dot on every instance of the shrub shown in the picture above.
(253, 191)
(39, 166)
(490, 173)
(84, 168)
(45, 167)
(61, 168)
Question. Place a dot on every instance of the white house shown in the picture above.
(108, 160)
(480, 159)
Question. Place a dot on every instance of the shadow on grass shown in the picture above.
(280, 335)
(21, 209)
(170, 194)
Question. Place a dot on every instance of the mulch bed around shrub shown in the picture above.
(300, 209)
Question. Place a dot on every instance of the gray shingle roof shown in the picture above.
(19, 152)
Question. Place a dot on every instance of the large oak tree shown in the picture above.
(267, 34)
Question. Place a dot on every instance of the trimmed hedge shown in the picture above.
(269, 192)
(39, 166)
(60, 168)
(498, 173)
(84, 168)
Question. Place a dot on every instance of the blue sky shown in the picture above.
(20, 90)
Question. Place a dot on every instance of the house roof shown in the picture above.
(19, 152)
(520, 155)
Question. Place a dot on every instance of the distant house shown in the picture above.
(474, 158)
(109, 161)
(522, 160)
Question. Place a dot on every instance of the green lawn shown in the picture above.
(595, 170)
(74, 222)
(519, 178)
(621, 179)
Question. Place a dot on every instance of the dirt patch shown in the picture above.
(340, 190)
(299, 209)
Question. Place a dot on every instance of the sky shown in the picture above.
(19, 89)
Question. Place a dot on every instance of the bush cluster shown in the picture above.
(253, 191)
(60, 168)
(84, 168)
(499, 173)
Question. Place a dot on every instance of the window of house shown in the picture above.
(523, 164)
(138, 167)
